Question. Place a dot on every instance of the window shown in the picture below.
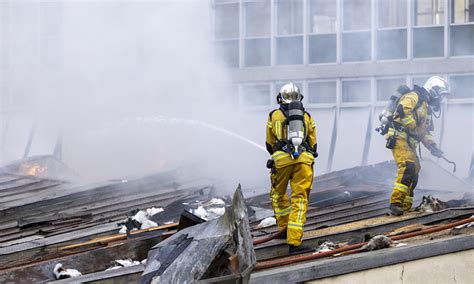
(322, 92)
(420, 81)
(226, 21)
(462, 86)
(357, 14)
(392, 44)
(257, 52)
(257, 18)
(462, 40)
(289, 50)
(462, 11)
(428, 42)
(356, 91)
(322, 21)
(356, 46)
(289, 17)
(257, 24)
(392, 13)
(256, 95)
(387, 87)
(322, 48)
(322, 16)
(228, 51)
(429, 12)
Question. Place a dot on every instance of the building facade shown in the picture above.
(349, 56)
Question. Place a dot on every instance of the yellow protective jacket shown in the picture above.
(276, 132)
(416, 120)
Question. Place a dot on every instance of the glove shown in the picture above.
(270, 163)
(435, 151)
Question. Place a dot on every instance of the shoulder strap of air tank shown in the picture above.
(271, 114)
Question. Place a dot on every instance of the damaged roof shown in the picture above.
(46, 221)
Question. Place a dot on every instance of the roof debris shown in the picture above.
(431, 204)
(62, 273)
(267, 222)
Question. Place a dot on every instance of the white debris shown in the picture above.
(61, 273)
(143, 261)
(119, 263)
(169, 222)
(401, 245)
(201, 212)
(267, 222)
(141, 217)
(127, 262)
(467, 225)
(152, 211)
(217, 211)
(214, 201)
(123, 230)
(326, 246)
(377, 242)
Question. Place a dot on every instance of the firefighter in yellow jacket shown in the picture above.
(412, 123)
(291, 140)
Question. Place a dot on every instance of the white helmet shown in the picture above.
(437, 88)
(288, 93)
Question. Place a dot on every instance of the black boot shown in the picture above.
(396, 209)
(300, 249)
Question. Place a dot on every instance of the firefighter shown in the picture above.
(412, 123)
(291, 142)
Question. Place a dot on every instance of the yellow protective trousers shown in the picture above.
(409, 167)
(292, 216)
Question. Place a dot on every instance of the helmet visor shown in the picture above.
(290, 96)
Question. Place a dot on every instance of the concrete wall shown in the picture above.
(444, 269)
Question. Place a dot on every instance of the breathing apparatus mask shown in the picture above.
(437, 88)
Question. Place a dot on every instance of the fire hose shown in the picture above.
(311, 256)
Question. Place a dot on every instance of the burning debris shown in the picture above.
(431, 204)
(139, 220)
(31, 169)
(62, 273)
(267, 222)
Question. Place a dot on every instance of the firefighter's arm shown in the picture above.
(405, 111)
(428, 141)
(271, 139)
(312, 137)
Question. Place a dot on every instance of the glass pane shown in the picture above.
(428, 42)
(388, 87)
(392, 44)
(289, 50)
(462, 40)
(228, 51)
(357, 14)
(289, 17)
(50, 13)
(462, 11)
(462, 86)
(257, 18)
(256, 95)
(356, 91)
(257, 52)
(429, 12)
(322, 92)
(356, 46)
(322, 16)
(420, 81)
(392, 13)
(227, 21)
(322, 48)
